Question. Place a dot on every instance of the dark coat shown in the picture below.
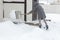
(38, 10)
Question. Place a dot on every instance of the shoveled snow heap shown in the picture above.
(11, 31)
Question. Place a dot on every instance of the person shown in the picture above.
(40, 11)
(37, 8)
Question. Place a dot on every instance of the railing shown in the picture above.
(25, 5)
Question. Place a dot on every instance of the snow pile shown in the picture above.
(39, 34)
(11, 31)
(52, 34)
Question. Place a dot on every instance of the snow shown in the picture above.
(47, 1)
(12, 14)
(11, 31)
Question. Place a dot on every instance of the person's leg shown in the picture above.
(40, 23)
(45, 23)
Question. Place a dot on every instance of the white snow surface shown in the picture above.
(11, 31)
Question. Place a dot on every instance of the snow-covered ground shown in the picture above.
(11, 31)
